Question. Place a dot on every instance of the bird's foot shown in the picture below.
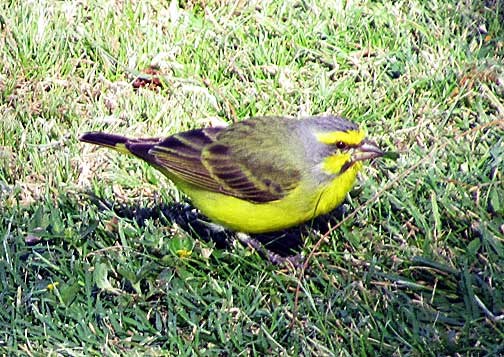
(293, 261)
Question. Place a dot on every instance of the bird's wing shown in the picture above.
(180, 154)
(251, 173)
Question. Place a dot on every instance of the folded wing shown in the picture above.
(200, 158)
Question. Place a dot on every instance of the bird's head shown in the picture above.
(345, 146)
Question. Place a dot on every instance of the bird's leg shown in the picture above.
(189, 219)
(213, 228)
(210, 231)
(293, 261)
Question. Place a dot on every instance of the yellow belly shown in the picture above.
(301, 205)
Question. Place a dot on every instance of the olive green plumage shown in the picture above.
(261, 174)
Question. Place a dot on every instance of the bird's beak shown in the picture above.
(367, 150)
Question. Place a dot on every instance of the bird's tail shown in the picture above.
(137, 147)
(112, 141)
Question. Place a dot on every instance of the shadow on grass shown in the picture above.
(285, 243)
(445, 308)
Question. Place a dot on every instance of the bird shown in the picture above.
(258, 175)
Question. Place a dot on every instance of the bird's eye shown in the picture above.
(340, 145)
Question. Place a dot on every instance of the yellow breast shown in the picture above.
(304, 203)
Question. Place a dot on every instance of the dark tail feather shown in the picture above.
(137, 147)
(141, 148)
(103, 139)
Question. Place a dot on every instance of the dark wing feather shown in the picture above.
(201, 158)
(250, 161)
(235, 177)
(180, 154)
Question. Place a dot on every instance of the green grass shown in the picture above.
(417, 272)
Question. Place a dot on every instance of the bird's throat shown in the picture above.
(336, 164)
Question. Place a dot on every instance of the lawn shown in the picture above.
(91, 262)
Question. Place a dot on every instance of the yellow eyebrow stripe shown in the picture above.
(351, 137)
